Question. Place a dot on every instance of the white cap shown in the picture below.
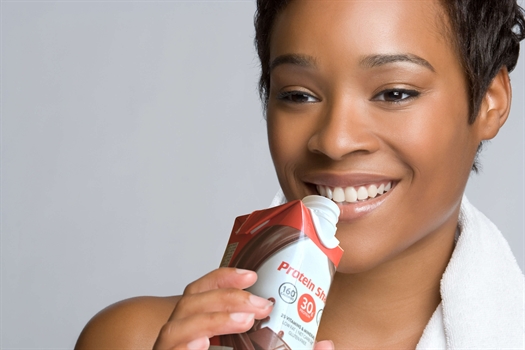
(325, 215)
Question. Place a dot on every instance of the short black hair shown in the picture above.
(487, 35)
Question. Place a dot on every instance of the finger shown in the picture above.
(225, 277)
(199, 344)
(179, 333)
(222, 300)
(324, 345)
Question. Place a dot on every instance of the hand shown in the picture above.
(213, 305)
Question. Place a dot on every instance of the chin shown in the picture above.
(355, 262)
(361, 255)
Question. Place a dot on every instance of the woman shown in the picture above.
(363, 96)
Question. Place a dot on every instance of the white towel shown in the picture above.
(434, 337)
(482, 290)
(278, 199)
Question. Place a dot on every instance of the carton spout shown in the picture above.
(325, 215)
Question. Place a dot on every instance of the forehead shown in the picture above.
(350, 28)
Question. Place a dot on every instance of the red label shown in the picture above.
(306, 307)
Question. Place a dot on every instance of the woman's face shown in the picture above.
(367, 95)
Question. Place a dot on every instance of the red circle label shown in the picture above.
(306, 307)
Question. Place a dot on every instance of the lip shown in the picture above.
(352, 211)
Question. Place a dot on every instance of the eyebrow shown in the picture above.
(296, 59)
(370, 61)
(380, 60)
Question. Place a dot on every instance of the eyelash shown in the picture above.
(410, 94)
(289, 96)
(402, 95)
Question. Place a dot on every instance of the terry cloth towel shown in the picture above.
(482, 290)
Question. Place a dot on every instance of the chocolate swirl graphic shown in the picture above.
(264, 245)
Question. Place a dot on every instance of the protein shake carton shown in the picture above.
(294, 252)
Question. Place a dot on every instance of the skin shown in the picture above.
(352, 120)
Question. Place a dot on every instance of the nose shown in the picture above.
(343, 129)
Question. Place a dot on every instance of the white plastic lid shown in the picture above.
(325, 215)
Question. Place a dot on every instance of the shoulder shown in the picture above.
(131, 323)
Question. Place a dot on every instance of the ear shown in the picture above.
(495, 106)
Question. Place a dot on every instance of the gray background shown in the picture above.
(132, 135)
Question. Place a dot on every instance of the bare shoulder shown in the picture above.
(129, 324)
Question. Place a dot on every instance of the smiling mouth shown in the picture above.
(355, 194)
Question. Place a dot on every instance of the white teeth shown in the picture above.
(350, 195)
(338, 195)
(372, 191)
(362, 193)
(329, 194)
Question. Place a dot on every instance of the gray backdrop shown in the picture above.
(131, 137)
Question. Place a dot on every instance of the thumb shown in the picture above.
(324, 345)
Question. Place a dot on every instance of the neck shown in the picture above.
(389, 305)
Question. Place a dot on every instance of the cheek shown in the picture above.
(438, 147)
(287, 136)
(278, 141)
(286, 147)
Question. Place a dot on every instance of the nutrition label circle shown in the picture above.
(318, 317)
(288, 292)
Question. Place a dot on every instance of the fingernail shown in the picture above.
(324, 345)
(241, 317)
(260, 302)
(243, 271)
(199, 344)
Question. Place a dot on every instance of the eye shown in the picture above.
(296, 97)
(396, 95)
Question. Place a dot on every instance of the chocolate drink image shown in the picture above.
(295, 269)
